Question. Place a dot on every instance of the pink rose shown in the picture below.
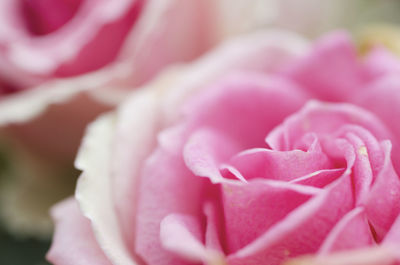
(231, 160)
(61, 64)
(44, 39)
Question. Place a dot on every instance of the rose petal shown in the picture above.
(303, 230)
(163, 171)
(214, 225)
(205, 151)
(285, 166)
(362, 172)
(380, 62)
(265, 100)
(393, 236)
(74, 242)
(383, 99)
(320, 178)
(260, 52)
(94, 160)
(251, 209)
(352, 232)
(382, 204)
(182, 235)
(333, 56)
(312, 118)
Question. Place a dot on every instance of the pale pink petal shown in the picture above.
(380, 62)
(183, 235)
(303, 230)
(166, 186)
(383, 99)
(352, 232)
(251, 209)
(372, 150)
(382, 204)
(320, 178)
(362, 172)
(312, 118)
(280, 165)
(205, 150)
(215, 221)
(74, 242)
(332, 70)
(245, 107)
(261, 52)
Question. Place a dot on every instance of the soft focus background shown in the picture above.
(23, 251)
(368, 20)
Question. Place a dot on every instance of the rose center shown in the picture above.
(42, 17)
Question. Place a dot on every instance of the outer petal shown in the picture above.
(94, 159)
(382, 98)
(74, 242)
(381, 62)
(333, 56)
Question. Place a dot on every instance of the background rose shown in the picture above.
(178, 188)
(45, 39)
(57, 75)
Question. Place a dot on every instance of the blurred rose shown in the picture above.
(43, 39)
(61, 64)
(227, 161)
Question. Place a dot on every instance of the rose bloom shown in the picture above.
(263, 151)
(61, 64)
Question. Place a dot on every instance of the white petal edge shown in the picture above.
(93, 189)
